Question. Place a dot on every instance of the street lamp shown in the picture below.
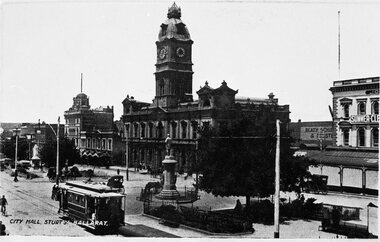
(57, 136)
(29, 138)
(38, 132)
(126, 153)
(16, 132)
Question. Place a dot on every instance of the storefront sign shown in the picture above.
(370, 118)
(316, 133)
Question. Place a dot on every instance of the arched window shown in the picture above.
(375, 137)
(194, 126)
(375, 107)
(346, 109)
(127, 130)
(346, 137)
(184, 129)
(142, 125)
(361, 108)
(159, 130)
(150, 130)
(135, 130)
(361, 137)
(206, 103)
(174, 130)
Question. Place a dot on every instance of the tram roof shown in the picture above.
(96, 187)
(90, 193)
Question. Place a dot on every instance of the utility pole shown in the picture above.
(126, 154)
(57, 172)
(277, 185)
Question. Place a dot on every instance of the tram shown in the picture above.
(95, 205)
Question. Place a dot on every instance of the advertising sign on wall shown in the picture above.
(316, 133)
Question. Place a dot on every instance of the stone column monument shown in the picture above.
(169, 190)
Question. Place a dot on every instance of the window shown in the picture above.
(150, 130)
(142, 125)
(375, 107)
(174, 130)
(88, 143)
(93, 143)
(127, 130)
(361, 137)
(206, 103)
(110, 144)
(135, 130)
(346, 110)
(375, 137)
(184, 129)
(159, 130)
(346, 137)
(194, 126)
(103, 143)
(361, 108)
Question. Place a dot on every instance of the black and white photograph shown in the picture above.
(206, 120)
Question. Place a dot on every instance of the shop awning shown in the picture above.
(345, 158)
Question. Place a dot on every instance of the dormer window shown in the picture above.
(206, 102)
(181, 29)
(164, 28)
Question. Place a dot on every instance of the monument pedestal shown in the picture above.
(169, 190)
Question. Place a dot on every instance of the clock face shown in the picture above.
(180, 52)
(162, 53)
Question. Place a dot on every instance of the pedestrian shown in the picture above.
(302, 199)
(4, 203)
(16, 173)
(118, 171)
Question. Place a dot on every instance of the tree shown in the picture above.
(67, 151)
(8, 147)
(239, 160)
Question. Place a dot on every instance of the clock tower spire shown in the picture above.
(174, 74)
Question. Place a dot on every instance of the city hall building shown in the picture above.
(174, 112)
(352, 163)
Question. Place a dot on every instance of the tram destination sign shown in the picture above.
(369, 118)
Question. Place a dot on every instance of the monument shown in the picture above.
(169, 190)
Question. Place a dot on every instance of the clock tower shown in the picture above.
(174, 74)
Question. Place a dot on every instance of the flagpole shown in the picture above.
(57, 170)
(339, 45)
(277, 185)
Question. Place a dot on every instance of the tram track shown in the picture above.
(24, 195)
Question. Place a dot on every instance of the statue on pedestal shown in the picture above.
(168, 144)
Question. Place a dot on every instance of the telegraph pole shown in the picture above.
(57, 172)
(277, 185)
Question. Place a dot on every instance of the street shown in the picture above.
(31, 211)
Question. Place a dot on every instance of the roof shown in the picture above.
(345, 158)
(91, 193)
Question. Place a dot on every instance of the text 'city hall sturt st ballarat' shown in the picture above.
(174, 112)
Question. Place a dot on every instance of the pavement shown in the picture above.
(35, 194)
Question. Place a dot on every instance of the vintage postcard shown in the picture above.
(189, 119)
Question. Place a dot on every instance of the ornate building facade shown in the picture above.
(91, 129)
(175, 113)
(356, 112)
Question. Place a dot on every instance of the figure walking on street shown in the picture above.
(16, 174)
(4, 203)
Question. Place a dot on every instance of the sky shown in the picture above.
(289, 48)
